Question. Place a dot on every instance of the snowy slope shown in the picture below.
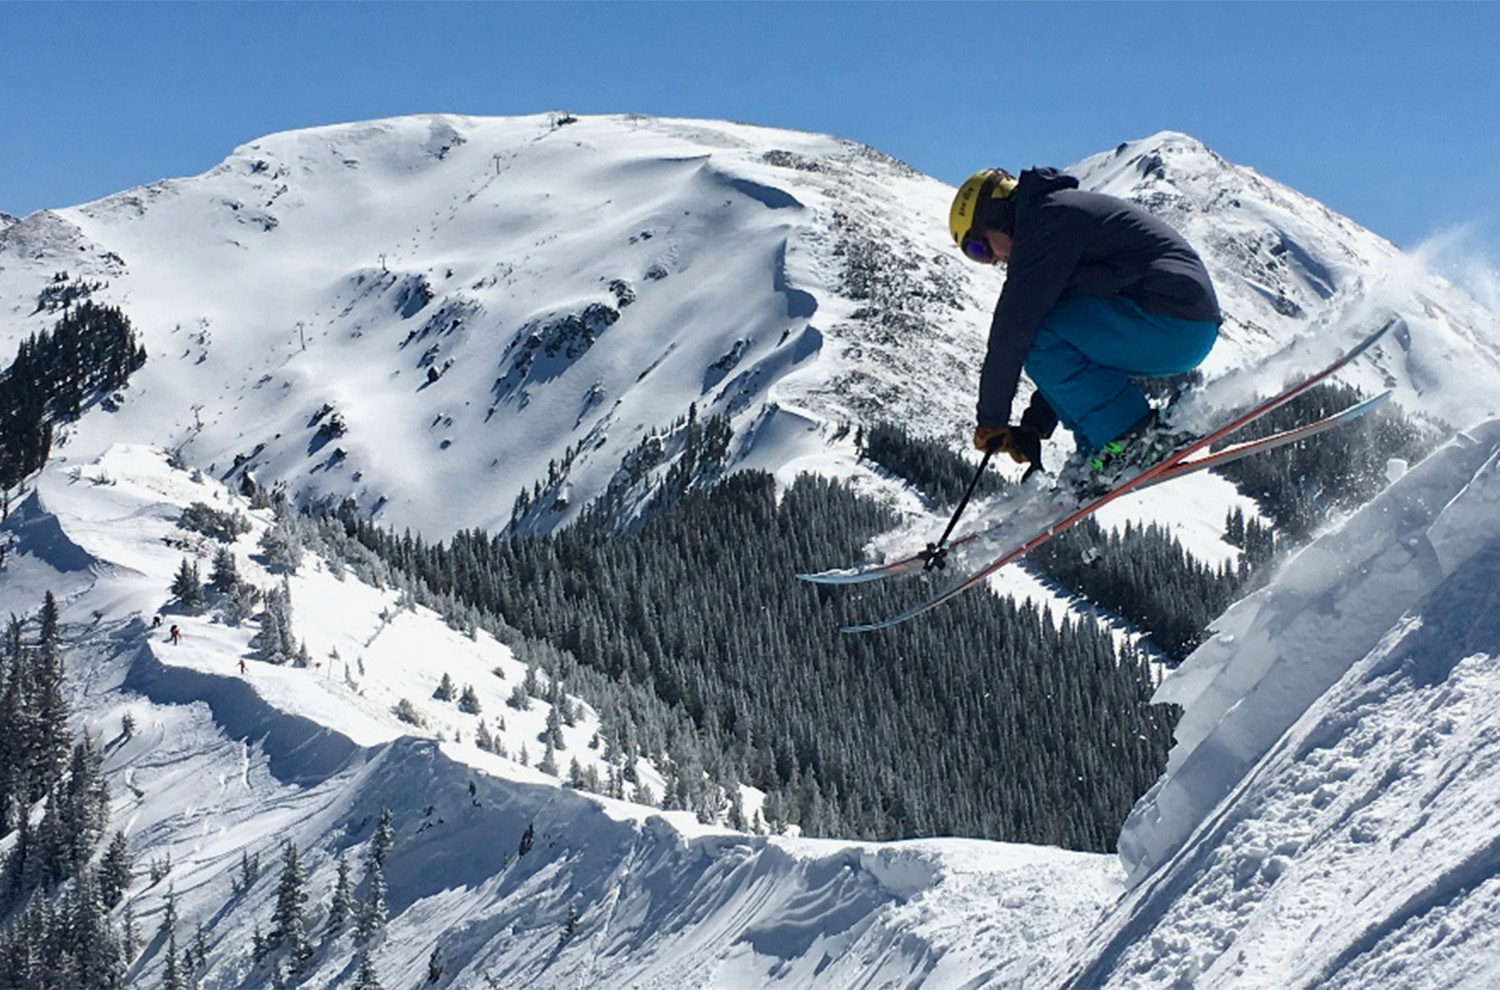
(1328, 815)
(224, 763)
(478, 299)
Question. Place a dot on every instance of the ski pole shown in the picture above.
(935, 552)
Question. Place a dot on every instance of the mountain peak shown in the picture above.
(504, 305)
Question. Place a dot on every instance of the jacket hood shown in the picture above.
(1032, 184)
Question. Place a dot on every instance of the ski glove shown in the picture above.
(1023, 444)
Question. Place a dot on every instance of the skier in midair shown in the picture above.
(1098, 292)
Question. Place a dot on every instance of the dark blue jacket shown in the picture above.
(1065, 240)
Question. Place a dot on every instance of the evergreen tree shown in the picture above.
(187, 586)
(92, 942)
(239, 603)
(289, 928)
(275, 642)
(225, 575)
(365, 977)
(173, 977)
(372, 915)
(384, 837)
(570, 926)
(372, 910)
(130, 934)
(281, 543)
(115, 871)
(553, 733)
(198, 951)
(549, 761)
(341, 903)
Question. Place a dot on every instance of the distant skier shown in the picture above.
(175, 635)
(1097, 292)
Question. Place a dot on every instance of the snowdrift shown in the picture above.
(1328, 814)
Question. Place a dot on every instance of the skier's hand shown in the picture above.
(1024, 445)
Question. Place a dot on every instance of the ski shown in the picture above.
(902, 565)
(1160, 471)
(1282, 438)
(1226, 455)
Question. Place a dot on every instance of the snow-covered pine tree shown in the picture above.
(224, 576)
(289, 927)
(187, 586)
(372, 914)
(275, 642)
(115, 870)
(282, 543)
(341, 903)
(365, 977)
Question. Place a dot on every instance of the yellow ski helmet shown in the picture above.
(969, 208)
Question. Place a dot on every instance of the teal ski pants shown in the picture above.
(1088, 349)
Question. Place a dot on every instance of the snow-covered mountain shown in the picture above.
(226, 760)
(432, 314)
(475, 298)
(1327, 818)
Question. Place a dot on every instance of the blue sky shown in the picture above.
(1387, 112)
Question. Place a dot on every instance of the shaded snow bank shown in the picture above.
(1364, 850)
(1280, 649)
(1328, 816)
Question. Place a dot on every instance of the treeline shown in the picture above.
(930, 467)
(91, 350)
(989, 719)
(57, 891)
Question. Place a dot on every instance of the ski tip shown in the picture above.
(849, 576)
(894, 620)
(1394, 323)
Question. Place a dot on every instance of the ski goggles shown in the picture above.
(977, 248)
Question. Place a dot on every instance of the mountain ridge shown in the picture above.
(662, 897)
(397, 270)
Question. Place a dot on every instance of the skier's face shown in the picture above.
(999, 246)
